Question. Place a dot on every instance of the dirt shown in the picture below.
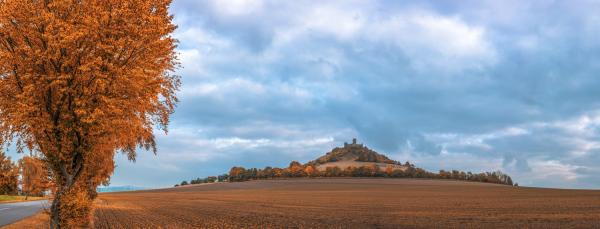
(350, 203)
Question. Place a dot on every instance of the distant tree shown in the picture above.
(296, 169)
(444, 174)
(310, 171)
(34, 176)
(409, 171)
(333, 171)
(9, 175)
(266, 173)
(389, 170)
(349, 171)
(197, 181)
(294, 163)
(398, 173)
(373, 170)
(455, 174)
(223, 177)
(462, 176)
(253, 173)
(421, 173)
(278, 172)
(237, 174)
(183, 183)
(211, 179)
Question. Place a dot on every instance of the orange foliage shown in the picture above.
(237, 174)
(9, 175)
(34, 176)
(389, 170)
(81, 80)
(310, 171)
(296, 169)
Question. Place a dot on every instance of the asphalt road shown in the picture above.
(12, 212)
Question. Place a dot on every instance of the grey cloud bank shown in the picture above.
(474, 85)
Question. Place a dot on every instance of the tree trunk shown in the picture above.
(55, 210)
(26, 195)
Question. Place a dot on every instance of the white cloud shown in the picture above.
(432, 40)
(584, 125)
(341, 21)
(580, 132)
(476, 140)
(429, 40)
(223, 88)
(553, 169)
(241, 143)
(237, 7)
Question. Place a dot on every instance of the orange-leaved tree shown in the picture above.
(9, 175)
(296, 169)
(80, 81)
(310, 171)
(34, 176)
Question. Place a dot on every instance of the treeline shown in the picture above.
(209, 179)
(295, 169)
(28, 177)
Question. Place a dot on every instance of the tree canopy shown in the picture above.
(34, 176)
(9, 175)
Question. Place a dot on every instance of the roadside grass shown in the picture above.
(7, 198)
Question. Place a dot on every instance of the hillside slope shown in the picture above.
(355, 155)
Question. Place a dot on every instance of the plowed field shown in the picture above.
(350, 203)
(345, 203)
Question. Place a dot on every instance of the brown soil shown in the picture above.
(350, 203)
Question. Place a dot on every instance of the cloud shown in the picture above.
(236, 7)
(419, 34)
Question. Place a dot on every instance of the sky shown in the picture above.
(468, 85)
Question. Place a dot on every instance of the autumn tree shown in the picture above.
(373, 170)
(310, 171)
(267, 172)
(80, 81)
(237, 174)
(333, 171)
(34, 176)
(296, 169)
(9, 175)
(389, 170)
(278, 172)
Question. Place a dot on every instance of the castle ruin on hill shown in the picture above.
(354, 144)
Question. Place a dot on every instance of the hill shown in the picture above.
(352, 152)
(353, 160)
(354, 155)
